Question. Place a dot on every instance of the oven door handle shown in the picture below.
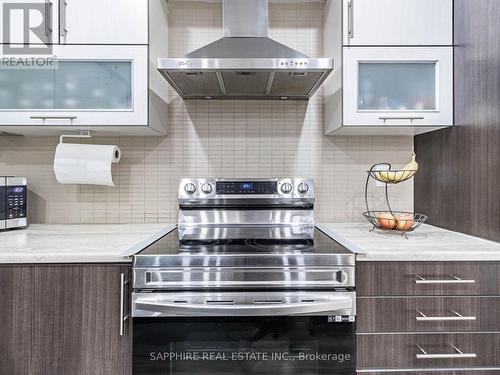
(172, 308)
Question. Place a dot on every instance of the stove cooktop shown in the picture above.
(170, 245)
(314, 261)
(318, 251)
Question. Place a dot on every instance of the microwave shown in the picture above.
(13, 202)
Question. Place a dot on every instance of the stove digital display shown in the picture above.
(245, 186)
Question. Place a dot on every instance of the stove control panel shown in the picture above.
(209, 191)
(246, 187)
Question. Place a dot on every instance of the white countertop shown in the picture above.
(113, 243)
(78, 243)
(426, 243)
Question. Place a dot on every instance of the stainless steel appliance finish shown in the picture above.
(188, 232)
(206, 277)
(245, 271)
(208, 192)
(244, 304)
(13, 202)
(245, 234)
(245, 63)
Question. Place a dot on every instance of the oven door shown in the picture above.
(248, 333)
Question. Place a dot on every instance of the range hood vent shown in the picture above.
(245, 63)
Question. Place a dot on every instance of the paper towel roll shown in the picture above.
(85, 164)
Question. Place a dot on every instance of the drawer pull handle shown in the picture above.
(123, 318)
(455, 317)
(457, 355)
(350, 19)
(409, 118)
(451, 280)
(69, 117)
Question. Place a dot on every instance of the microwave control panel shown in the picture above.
(15, 202)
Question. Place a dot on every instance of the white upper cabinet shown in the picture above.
(98, 67)
(28, 22)
(405, 86)
(397, 22)
(103, 21)
(75, 22)
(88, 86)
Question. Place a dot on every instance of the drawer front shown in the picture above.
(456, 372)
(427, 278)
(434, 314)
(429, 351)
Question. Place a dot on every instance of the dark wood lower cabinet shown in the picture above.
(428, 318)
(401, 351)
(427, 278)
(429, 314)
(62, 320)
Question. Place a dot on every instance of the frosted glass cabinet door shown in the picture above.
(398, 86)
(90, 85)
(22, 89)
(97, 85)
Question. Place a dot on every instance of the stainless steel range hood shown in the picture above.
(245, 63)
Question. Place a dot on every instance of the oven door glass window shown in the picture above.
(243, 345)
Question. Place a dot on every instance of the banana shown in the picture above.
(412, 165)
(406, 172)
(384, 176)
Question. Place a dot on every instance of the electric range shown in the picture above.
(244, 285)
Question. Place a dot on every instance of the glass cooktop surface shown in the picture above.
(170, 244)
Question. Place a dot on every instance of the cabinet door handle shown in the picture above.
(411, 118)
(123, 317)
(41, 117)
(458, 354)
(63, 30)
(451, 280)
(350, 19)
(421, 317)
(48, 18)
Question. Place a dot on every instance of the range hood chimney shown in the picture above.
(245, 63)
(237, 20)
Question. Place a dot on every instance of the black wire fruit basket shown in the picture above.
(391, 220)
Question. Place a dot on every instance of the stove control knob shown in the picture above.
(190, 188)
(303, 188)
(206, 188)
(286, 188)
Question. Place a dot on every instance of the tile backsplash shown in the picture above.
(233, 138)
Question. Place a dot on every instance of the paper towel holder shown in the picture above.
(83, 134)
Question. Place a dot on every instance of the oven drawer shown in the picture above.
(410, 314)
(243, 345)
(429, 351)
(427, 278)
(341, 304)
(243, 277)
